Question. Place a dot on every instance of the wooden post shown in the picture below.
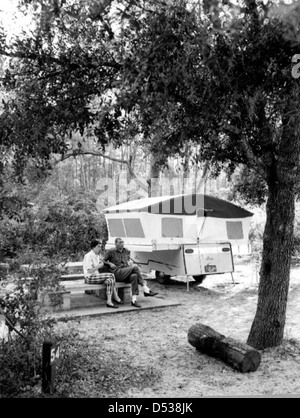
(50, 356)
(239, 356)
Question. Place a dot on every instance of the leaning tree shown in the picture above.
(228, 85)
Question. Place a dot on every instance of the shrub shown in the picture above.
(28, 327)
(62, 228)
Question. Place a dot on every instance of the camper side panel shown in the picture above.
(170, 262)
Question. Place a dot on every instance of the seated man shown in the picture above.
(92, 262)
(118, 260)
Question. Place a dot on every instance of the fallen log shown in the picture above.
(239, 356)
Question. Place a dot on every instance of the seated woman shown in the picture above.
(92, 262)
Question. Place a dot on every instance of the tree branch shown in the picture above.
(28, 55)
(252, 158)
(47, 58)
(95, 153)
(76, 153)
(11, 326)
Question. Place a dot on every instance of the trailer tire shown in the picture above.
(199, 279)
(161, 277)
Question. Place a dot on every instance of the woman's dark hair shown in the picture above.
(95, 242)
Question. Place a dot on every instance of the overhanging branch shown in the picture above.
(76, 153)
(254, 161)
(95, 153)
(59, 60)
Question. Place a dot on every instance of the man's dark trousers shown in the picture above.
(131, 275)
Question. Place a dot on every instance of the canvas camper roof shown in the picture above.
(184, 204)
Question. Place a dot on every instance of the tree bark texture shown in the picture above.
(268, 326)
(239, 356)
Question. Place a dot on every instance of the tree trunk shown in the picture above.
(201, 186)
(268, 326)
(153, 180)
(117, 183)
(240, 356)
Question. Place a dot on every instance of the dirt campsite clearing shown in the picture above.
(153, 343)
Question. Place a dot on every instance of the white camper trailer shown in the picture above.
(180, 235)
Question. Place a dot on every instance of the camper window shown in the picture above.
(134, 228)
(116, 228)
(234, 230)
(171, 227)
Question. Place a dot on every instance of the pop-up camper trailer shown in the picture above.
(180, 235)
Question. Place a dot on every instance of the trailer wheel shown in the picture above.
(199, 279)
(161, 277)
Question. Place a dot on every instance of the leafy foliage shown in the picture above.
(57, 71)
(225, 90)
(176, 74)
(249, 187)
(28, 327)
(61, 228)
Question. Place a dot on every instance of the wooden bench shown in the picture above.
(73, 283)
(72, 271)
(50, 299)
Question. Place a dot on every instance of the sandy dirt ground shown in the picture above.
(157, 339)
